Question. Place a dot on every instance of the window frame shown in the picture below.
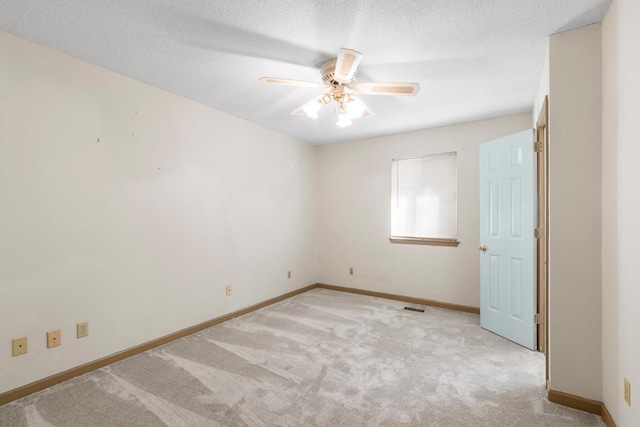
(414, 240)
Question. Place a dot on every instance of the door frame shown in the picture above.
(542, 242)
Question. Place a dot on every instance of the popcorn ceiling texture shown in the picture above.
(473, 59)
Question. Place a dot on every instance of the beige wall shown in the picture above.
(355, 180)
(610, 342)
(575, 165)
(131, 208)
(621, 209)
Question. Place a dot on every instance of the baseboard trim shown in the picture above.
(606, 417)
(575, 402)
(583, 404)
(44, 383)
(457, 307)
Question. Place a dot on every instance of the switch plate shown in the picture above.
(228, 290)
(351, 271)
(627, 391)
(288, 275)
(82, 329)
(53, 338)
(19, 346)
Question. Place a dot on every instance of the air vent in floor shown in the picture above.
(419, 310)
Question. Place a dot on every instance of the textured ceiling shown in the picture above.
(474, 59)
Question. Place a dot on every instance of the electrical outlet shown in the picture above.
(82, 329)
(53, 338)
(19, 346)
(351, 271)
(288, 275)
(627, 391)
(228, 290)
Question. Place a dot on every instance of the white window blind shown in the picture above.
(424, 197)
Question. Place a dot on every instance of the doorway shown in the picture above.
(514, 297)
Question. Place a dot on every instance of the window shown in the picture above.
(424, 200)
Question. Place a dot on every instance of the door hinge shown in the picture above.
(538, 233)
(536, 318)
(538, 146)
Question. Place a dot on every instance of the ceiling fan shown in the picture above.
(338, 81)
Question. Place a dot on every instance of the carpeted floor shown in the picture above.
(322, 358)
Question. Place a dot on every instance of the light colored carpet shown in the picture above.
(322, 358)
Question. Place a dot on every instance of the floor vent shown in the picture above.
(419, 310)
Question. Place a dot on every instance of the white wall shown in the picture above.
(542, 92)
(355, 180)
(132, 208)
(621, 209)
(139, 232)
(575, 165)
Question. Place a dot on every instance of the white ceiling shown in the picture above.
(474, 59)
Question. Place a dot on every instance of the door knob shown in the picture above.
(482, 248)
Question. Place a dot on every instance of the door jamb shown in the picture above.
(542, 251)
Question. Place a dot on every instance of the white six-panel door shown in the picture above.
(507, 257)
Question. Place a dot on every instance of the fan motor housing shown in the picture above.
(327, 71)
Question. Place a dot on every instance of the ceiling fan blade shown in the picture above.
(310, 108)
(356, 108)
(346, 65)
(289, 82)
(391, 88)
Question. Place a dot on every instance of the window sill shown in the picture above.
(424, 241)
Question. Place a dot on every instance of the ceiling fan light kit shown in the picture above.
(338, 77)
(346, 106)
